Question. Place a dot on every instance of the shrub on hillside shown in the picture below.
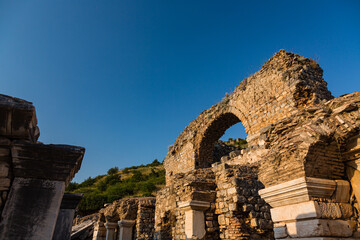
(91, 203)
(113, 170)
(119, 190)
(72, 186)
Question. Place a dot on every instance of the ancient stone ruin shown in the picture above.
(33, 177)
(297, 179)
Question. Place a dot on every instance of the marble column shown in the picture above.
(66, 216)
(111, 230)
(126, 229)
(41, 173)
(194, 218)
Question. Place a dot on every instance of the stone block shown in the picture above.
(298, 190)
(319, 228)
(31, 202)
(4, 184)
(295, 211)
(342, 192)
(4, 169)
(280, 232)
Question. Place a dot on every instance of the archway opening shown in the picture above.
(228, 127)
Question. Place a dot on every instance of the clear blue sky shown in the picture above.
(124, 78)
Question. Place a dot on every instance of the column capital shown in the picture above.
(71, 200)
(126, 223)
(194, 205)
(46, 161)
(110, 225)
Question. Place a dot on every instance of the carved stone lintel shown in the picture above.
(194, 205)
(298, 190)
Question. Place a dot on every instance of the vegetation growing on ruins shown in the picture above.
(238, 142)
(135, 181)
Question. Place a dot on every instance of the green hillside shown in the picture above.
(137, 181)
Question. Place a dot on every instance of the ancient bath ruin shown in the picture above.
(297, 179)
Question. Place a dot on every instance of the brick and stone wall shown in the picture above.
(132, 218)
(286, 83)
(241, 213)
(299, 175)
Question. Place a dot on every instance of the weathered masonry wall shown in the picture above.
(126, 219)
(285, 84)
(298, 179)
(214, 203)
(33, 175)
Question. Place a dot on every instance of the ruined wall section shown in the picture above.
(311, 143)
(145, 220)
(285, 83)
(17, 122)
(198, 185)
(138, 214)
(242, 214)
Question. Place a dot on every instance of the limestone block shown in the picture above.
(110, 230)
(194, 218)
(329, 210)
(342, 193)
(66, 215)
(17, 118)
(319, 228)
(280, 232)
(125, 229)
(63, 225)
(295, 211)
(346, 210)
(4, 169)
(4, 184)
(32, 209)
(354, 176)
(311, 209)
(194, 224)
(298, 190)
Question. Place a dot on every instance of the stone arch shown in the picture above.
(286, 84)
(204, 149)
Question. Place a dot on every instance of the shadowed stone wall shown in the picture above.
(33, 175)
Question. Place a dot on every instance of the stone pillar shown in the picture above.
(194, 218)
(66, 216)
(41, 172)
(311, 208)
(110, 230)
(99, 231)
(126, 229)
